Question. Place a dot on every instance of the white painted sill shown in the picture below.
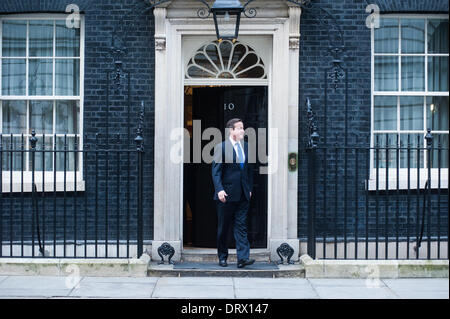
(44, 183)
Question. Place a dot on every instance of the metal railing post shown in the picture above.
(139, 140)
(313, 138)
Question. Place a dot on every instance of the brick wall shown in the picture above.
(101, 17)
(314, 61)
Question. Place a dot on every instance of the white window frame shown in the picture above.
(19, 181)
(403, 181)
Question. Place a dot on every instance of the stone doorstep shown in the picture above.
(79, 267)
(296, 270)
(367, 269)
(210, 255)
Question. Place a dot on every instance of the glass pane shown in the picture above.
(413, 73)
(201, 60)
(226, 25)
(380, 152)
(67, 143)
(386, 36)
(225, 51)
(40, 77)
(437, 113)
(14, 117)
(213, 54)
(411, 113)
(437, 35)
(13, 77)
(386, 73)
(195, 72)
(409, 143)
(238, 53)
(438, 73)
(385, 113)
(41, 117)
(11, 153)
(248, 61)
(67, 40)
(255, 73)
(67, 77)
(39, 159)
(439, 158)
(67, 113)
(41, 38)
(14, 37)
(413, 35)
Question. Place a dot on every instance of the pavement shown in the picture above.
(74, 287)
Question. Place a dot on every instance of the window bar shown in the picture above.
(356, 197)
(128, 203)
(43, 195)
(345, 201)
(96, 194)
(22, 147)
(324, 201)
(11, 199)
(128, 163)
(1, 192)
(335, 195)
(386, 198)
(128, 200)
(118, 192)
(397, 212)
(33, 158)
(75, 208)
(367, 198)
(84, 154)
(377, 150)
(439, 199)
(345, 158)
(64, 205)
(429, 139)
(408, 150)
(325, 81)
(107, 163)
(418, 197)
(106, 197)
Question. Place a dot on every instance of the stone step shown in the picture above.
(209, 269)
(210, 255)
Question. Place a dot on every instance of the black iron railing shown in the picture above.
(385, 201)
(62, 200)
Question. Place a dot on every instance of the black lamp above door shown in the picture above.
(227, 17)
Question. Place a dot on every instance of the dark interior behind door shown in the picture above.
(214, 106)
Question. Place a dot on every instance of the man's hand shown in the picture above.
(222, 195)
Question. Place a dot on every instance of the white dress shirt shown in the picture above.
(233, 142)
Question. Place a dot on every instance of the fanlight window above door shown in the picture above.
(226, 60)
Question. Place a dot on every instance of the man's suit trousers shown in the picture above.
(233, 213)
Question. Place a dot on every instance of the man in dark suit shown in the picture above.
(232, 176)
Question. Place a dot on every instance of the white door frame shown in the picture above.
(282, 122)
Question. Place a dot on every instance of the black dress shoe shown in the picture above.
(245, 262)
(223, 263)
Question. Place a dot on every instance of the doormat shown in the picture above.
(231, 266)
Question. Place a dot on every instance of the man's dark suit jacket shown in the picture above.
(227, 175)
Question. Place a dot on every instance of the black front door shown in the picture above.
(214, 106)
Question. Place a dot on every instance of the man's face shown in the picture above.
(238, 132)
